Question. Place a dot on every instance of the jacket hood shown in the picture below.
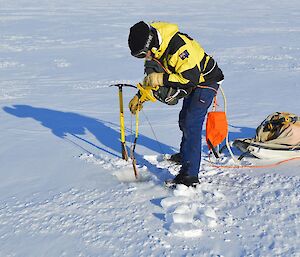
(165, 32)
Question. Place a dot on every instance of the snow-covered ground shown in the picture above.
(64, 191)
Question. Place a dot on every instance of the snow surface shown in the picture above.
(64, 191)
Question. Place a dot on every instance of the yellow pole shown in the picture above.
(137, 123)
(122, 125)
(134, 143)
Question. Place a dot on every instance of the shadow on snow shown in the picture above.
(62, 124)
(240, 132)
(107, 134)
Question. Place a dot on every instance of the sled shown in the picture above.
(277, 137)
(266, 150)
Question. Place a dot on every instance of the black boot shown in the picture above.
(184, 179)
(176, 158)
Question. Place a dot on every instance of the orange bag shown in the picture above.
(216, 128)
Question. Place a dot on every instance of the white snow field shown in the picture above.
(64, 190)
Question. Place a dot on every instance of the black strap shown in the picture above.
(213, 149)
(202, 63)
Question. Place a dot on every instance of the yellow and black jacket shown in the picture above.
(184, 60)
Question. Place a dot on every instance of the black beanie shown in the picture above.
(138, 37)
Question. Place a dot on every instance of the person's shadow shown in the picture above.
(73, 126)
(68, 125)
(107, 134)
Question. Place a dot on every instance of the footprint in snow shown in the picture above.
(187, 213)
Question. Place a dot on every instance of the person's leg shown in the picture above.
(194, 119)
(183, 128)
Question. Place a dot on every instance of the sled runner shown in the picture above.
(266, 150)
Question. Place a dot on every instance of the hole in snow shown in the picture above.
(127, 175)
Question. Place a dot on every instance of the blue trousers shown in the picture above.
(191, 118)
